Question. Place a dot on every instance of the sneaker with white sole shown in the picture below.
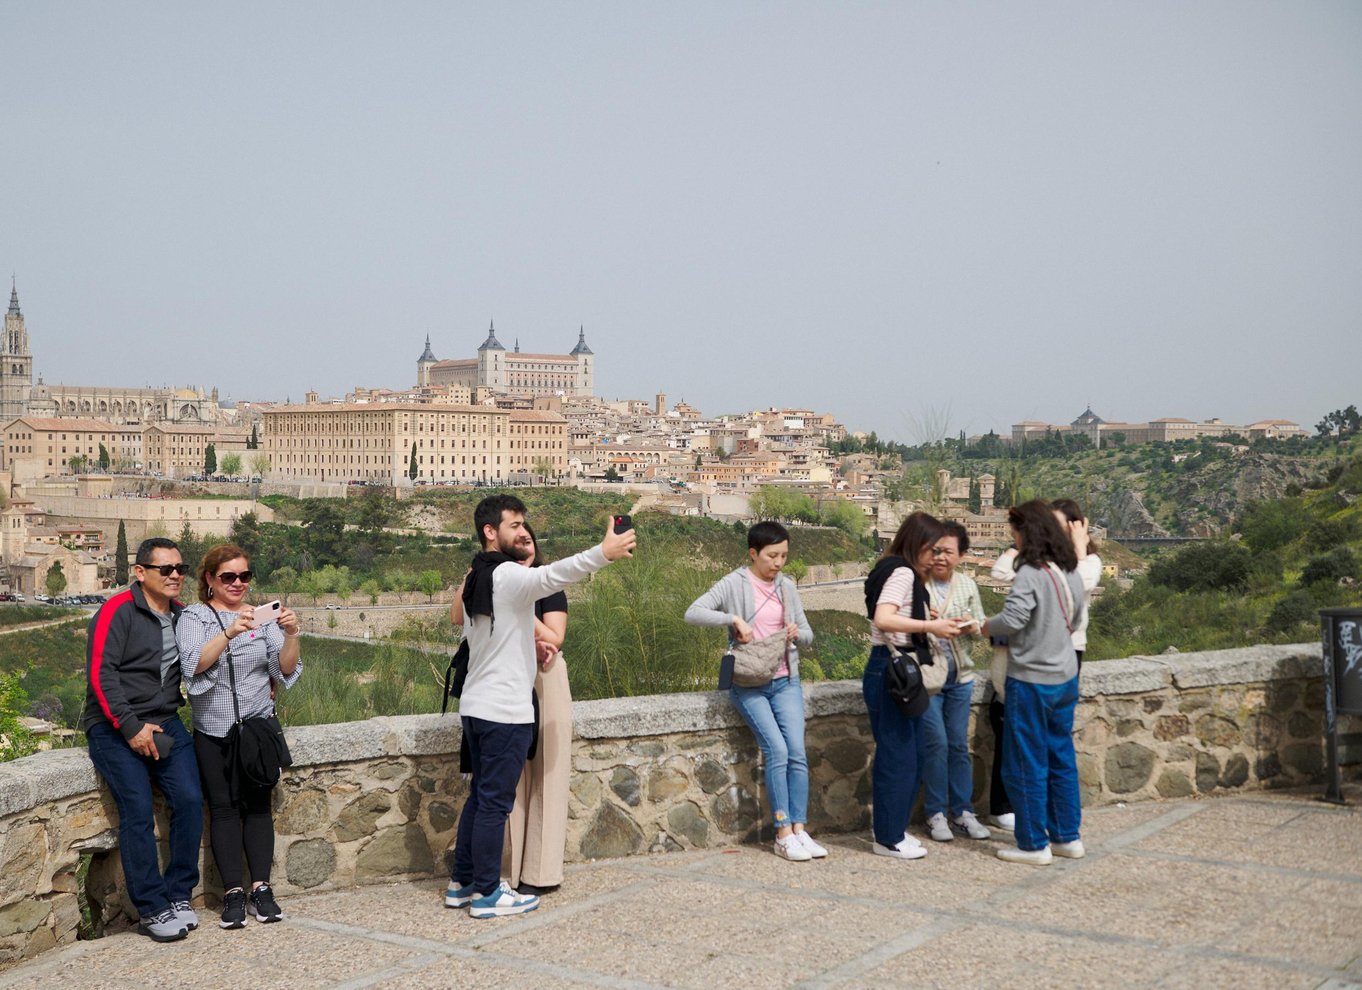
(459, 895)
(1007, 822)
(1028, 857)
(907, 848)
(813, 848)
(164, 926)
(792, 849)
(264, 906)
(233, 909)
(502, 902)
(966, 824)
(1069, 850)
(940, 828)
(185, 912)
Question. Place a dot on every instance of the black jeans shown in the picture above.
(998, 804)
(250, 821)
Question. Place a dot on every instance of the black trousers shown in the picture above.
(248, 822)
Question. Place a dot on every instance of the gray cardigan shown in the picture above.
(1040, 648)
(732, 595)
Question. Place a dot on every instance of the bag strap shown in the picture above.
(1066, 595)
(231, 673)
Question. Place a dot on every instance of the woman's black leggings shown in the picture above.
(249, 822)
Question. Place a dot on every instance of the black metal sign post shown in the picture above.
(1342, 633)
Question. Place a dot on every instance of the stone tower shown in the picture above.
(491, 363)
(585, 380)
(423, 364)
(16, 363)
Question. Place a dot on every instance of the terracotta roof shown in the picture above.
(75, 425)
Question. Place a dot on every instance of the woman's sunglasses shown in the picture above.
(231, 577)
(165, 570)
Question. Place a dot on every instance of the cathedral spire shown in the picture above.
(581, 347)
(14, 297)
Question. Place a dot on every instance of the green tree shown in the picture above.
(103, 458)
(284, 580)
(246, 534)
(260, 464)
(1338, 564)
(976, 498)
(371, 588)
(312, 584)
(611, 474)
(253, 443)
(231, 465)
(56, 579)
(543, 467)
(797, 570)
(1204, 566)
(121, 556)
(429, 582)
(325, 529)
(210, 460)
(15, 740)
(845, 516)
(412, 469)
(78, 463)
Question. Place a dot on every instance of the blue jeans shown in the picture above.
(498, 750)
(944, 740)
(1039, 766)
(130, 777)
(894, 774)
(775, 713)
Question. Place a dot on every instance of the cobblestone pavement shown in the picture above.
(1250, 891)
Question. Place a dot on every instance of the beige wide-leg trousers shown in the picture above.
(536, 832)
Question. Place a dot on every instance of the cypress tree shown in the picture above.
(411, 467)
(121, 556)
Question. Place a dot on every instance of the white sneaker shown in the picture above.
(1007, 822)
(811, 847)
(501, 902)
(966, 824)
(1029, 857)
(792, 849)
(907, 848)
(1069, 850)
(940, 828)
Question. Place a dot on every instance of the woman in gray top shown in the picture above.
(1043, 608)
(755, 602)
(222, 645)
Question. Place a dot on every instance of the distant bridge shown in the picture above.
(1157, 541)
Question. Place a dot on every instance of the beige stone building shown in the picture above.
(37, 446)
(512, 372)
(174, 450)
(453, 444)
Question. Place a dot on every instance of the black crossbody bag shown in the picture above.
(257, 751)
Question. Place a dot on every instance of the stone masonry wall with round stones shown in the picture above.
(378, 800)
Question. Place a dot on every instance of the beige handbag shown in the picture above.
(756, 663)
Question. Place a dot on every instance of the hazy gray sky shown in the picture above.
(1003, 210)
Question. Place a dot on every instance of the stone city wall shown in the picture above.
(377, 800)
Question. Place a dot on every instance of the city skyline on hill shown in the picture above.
(883, 212)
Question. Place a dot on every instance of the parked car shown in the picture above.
(333, 605)
(7, 596)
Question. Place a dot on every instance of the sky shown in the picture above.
(919, 217)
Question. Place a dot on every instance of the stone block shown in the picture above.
(304, 811)
(45, 778)
(395, 851)
(612, 833)
(1207, 772)
(25, 916)
(1302, 725)
(624, 782)
(735, 810)
(586, 789)
(1128, 767)
(1134, 675)
(649, 749)
(23, 852)
(688, 821)
(1170, 727)
(1128, 727)
(1267, 766)
(1283, 697)
(1213, 730)
(1263, 732)
(847, 755)
(1095, 734)
(1152, 704)
(358, 818)
(711, 776)
(1248, 665)
(1173, 784)
(65, 918)
(1194, 700)
(389, 771)
(666, 783)
(1305, 758)
(1236, 771)
(1089, 778)
(442, 817)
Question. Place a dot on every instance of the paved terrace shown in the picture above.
(1259, 890)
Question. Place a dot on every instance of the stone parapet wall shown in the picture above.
(379, 799)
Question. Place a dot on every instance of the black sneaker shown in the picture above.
(264, 906)
(233, 909)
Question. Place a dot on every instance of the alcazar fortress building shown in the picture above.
(512, 372)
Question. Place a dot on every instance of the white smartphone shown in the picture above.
(267, 613)
(968, 623)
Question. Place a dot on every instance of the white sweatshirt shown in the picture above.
(1089, 570)
(501, 659)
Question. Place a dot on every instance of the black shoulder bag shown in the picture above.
(256, 749)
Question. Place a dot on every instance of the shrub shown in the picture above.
(1337, 563)
(1208, 566)
(1273, 524)
(1291, 612)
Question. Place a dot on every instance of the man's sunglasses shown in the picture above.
(231, 577)
(165, 570)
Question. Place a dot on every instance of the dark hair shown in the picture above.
(960, 533)
(539, 560)
(215, 558)
(1042, 539)
(765, 534)
(917, 531)
(1074, 513)
(144, 549)
(489, 510)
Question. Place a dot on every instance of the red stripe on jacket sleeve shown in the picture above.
(101, 634)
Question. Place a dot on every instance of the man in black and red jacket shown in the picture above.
(136, 738)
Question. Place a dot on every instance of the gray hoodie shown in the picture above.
(732, 595)
(1040, 648)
